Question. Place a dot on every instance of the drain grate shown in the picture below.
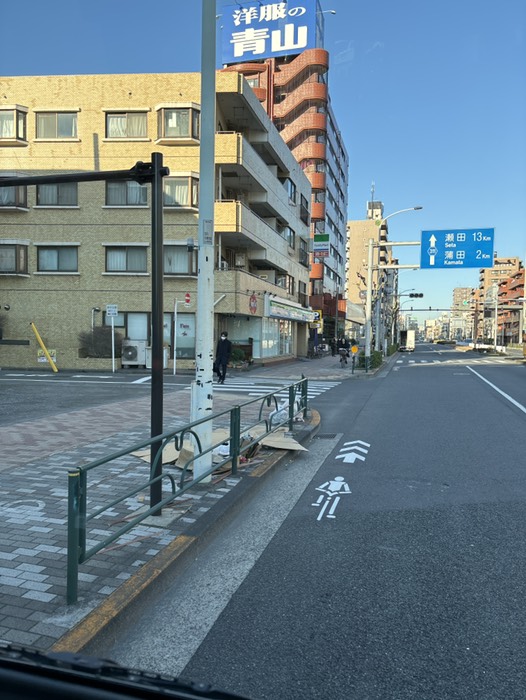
(326, 436)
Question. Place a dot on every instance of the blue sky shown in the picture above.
(430, 98)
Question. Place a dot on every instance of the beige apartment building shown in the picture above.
(384, 281)
(72, 254)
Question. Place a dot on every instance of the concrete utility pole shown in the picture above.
(202, 387)
(368, 302)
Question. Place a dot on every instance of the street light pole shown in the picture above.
(368, 300)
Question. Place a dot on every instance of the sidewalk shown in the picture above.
(33, 499)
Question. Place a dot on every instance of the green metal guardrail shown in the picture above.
(78, 517)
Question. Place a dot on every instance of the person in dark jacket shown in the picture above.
(223, 352)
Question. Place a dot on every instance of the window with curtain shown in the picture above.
(179, 123)
(13, 259)
(12, 124)
(7, 124)
(181, 192)
(126, 194)
(56, 125)
(122, 125)
(57, 259)
(126, 259)
(60, 195)
(178, 260)
(13, 196)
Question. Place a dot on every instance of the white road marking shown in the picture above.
(499, 391)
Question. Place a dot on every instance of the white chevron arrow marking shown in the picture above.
(357, 442)
(350, 449)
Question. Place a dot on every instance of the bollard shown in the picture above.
(73, 536)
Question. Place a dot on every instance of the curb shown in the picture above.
(103, 622)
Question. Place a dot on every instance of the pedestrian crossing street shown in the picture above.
(253, 389)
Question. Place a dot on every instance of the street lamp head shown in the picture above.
(96, 309)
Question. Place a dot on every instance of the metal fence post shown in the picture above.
(235, 436)
(305, 395)
(292, 396)
(73, 535)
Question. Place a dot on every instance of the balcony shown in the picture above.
(234, 284)
(310, 149)
(307, 91)
(317, 210)
(245, 172)
(317, 180)
(307, 59)
(307, 121)
(241, 228)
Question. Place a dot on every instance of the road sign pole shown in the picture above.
(113, 343)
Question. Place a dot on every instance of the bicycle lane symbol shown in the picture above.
(331, 491)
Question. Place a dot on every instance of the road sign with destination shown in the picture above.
(454, 248)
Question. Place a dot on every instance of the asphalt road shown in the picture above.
(389, 568)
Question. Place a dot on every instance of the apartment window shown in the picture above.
(57, 259)
(253, 80)
(179, 123)
(304, 210)
(59, 195)
(126, 193)
(13, 124)
(290, 236)
(13, 259)
(13, 197)
(291, 190)
(125, 259)
(304, 253)
(302, 294)
(285, 282)
(56, 125)
(181, 191)
(126, 125)
(179, 261)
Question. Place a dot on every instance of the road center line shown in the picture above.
(506, 396)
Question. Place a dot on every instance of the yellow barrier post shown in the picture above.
(44, 349)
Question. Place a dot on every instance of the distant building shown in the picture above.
(384, 282)
(68, 251)
(461, 313)
(511, 309)
(486, 295)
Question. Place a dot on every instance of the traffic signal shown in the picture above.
(416, 295)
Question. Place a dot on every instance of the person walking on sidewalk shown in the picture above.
(223, 352)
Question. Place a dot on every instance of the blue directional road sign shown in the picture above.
(454, 248)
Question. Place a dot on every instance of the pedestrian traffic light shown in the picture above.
(416, 295)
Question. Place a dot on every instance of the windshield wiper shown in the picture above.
(29, 674)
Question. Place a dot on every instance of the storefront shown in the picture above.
(280, 332)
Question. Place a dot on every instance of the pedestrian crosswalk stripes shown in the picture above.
(255, 389)
(455, 361)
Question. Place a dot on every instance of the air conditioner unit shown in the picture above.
(133, 353)
(223, 265)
